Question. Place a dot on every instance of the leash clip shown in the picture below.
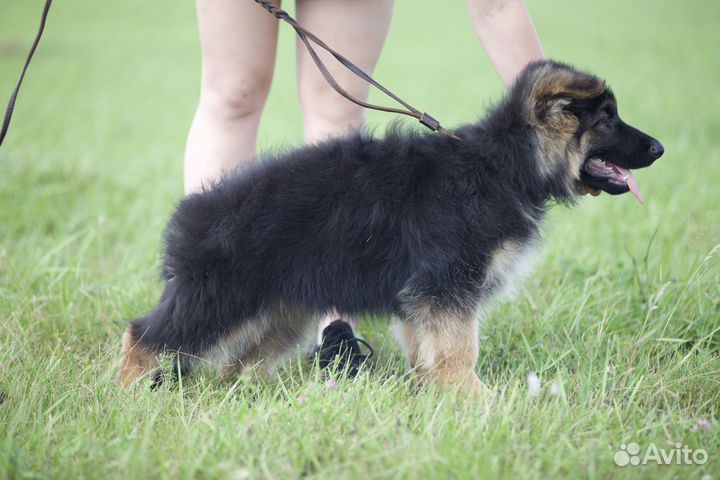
(435, 126)
(429, 122)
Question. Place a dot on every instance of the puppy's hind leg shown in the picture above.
(283, 329)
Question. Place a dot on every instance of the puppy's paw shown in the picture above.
(474, 388)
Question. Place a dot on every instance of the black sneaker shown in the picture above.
(339, 340)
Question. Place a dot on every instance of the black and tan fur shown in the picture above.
(418, 226)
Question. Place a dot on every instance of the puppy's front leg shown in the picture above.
(447, 350)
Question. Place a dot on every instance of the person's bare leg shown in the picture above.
(508, 35)
(238, 40)
(357, 29)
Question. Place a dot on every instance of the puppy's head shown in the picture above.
(582, 143)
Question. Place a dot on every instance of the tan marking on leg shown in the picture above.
(405, 335)
(236, 344)
(136, 361)
(447, 352)
(284, 329)
(250, 360)
(256, 362)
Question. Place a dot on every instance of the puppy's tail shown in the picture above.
(138, 356)
(193, 315)
(147, 337)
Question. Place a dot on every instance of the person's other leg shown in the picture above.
(357, 29)
(238, 40)
(507, 34)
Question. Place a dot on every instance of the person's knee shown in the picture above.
(325, 107)
(340, 118)
(235, 97)
(332, 121)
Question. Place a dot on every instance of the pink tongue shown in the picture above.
(631, 182)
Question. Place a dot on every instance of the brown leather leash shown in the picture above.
(308, 37)
(13, 96)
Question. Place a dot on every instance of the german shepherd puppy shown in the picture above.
(421, 227)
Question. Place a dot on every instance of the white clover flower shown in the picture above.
(533, 384)
(554, 388)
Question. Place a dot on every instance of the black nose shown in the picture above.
(656, 150)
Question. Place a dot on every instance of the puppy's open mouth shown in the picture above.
(601, 174)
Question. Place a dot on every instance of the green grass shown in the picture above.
(622, 312)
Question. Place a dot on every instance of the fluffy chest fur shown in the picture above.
(508, 265)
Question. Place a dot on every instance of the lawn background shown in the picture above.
(622, 312)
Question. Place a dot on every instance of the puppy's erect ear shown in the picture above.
(548, 91)
(555, 86)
